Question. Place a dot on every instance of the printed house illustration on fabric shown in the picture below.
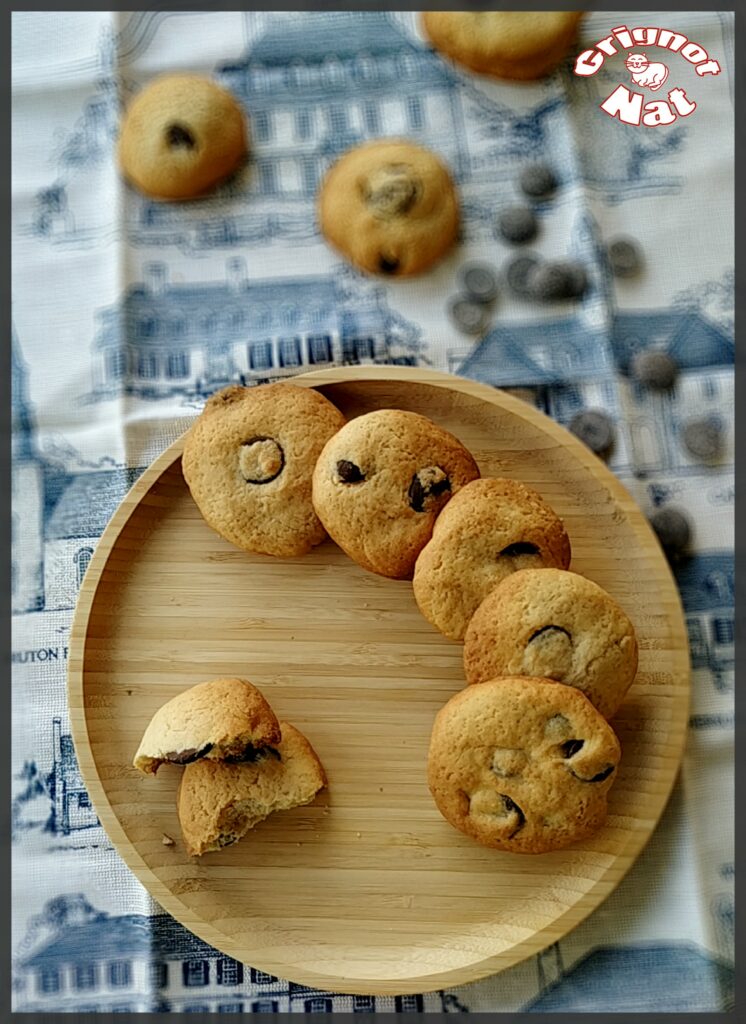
(195, 338)
(313, 88)
(56, 802)
(129, 962)
(63, 516)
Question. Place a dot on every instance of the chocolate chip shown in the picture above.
(672, 529)
(511, 807)
(388, 265)
(519, 548)
(252, 755)
(179, 137)
(596, 778)
(547, 629)
(431, 482)
(468, 316)
(570, 747)
(654, 369)
(189, 755)
(479, 281)
(594, 428)
(703, 437)
(261, 459)
(517, 224)
(349, 473)
(518, 273)
(538, 180)
(550, 282)
(624, 257)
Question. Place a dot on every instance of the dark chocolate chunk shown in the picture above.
(624, 257)
(594, 428)
(388, 264)
(654, 369)
(702, 436)
(253, 754)
(467, 315)
(178, 136)
(552, 281)
(596, 778)
(479, 281)
(517, 224)
(512, 807)
(518, 274)
(570, 747)
(521, 547)
(349, 473)
(431, 482)
(672, 529)
(189, 755)
(538, 180)
(547, 629)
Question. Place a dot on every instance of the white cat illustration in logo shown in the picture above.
(649, 74)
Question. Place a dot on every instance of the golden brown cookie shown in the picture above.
(380, 483)
(222, 719)
(389, 207)
(248, 460)
(180, 136)
(555, 624)
(504, 44)
(491, 528)
(523, 765)
(218, 802)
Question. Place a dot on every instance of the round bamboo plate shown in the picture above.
(367, 890)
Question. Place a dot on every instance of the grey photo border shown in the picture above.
(740, 541)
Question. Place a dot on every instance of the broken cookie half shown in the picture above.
(219, 802)
(226, 720)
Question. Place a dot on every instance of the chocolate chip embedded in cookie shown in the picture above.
(491, 528)
(522, 764)
(223, 719)
(380, 483)
(248, 461)
(558, 625)
(389, 207)
(504, 44)
(218, 802)
(180, 136)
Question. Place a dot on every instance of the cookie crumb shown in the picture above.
(168, 841)
(358, 834)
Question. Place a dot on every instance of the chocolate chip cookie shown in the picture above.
(222, 719)
(380, 483)
(389, 207)
(218, 802)
(491, 528)
(180, 136)
(558, 625)
(522, 764)
(504, 44)
(248, 460)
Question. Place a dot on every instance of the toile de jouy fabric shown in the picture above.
(128, 313)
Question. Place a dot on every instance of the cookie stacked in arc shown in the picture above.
(240, 762)
(523, 758)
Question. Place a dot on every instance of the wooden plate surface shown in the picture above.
(368, 890)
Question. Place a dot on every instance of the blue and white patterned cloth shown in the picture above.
(127, 313)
